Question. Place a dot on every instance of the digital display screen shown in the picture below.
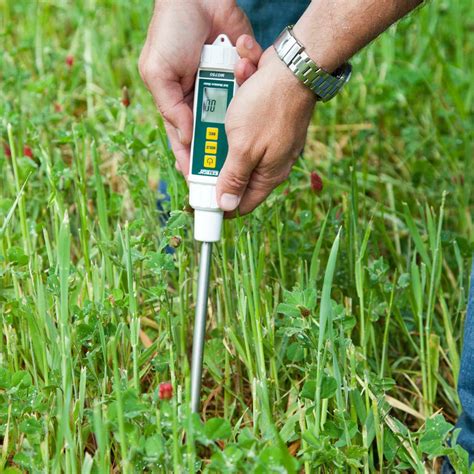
(214, 105)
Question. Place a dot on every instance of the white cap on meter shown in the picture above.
(207, 215)
(219, 55)
(207, 225)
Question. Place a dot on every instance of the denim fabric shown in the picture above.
(466, 379)
(269, 17)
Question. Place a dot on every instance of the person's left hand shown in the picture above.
(266, 127)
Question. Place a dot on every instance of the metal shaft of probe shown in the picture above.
(200, 325)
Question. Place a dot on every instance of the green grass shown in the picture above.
(335, 319)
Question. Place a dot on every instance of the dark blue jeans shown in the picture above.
(466, 378)
(269, 17)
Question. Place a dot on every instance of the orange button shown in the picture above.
(211, 148)
(212, 133)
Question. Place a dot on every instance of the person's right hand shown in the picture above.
(171, 55)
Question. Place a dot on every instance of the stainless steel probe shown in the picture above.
(200, 325)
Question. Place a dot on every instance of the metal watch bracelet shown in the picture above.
(293, 54)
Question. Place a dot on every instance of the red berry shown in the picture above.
(27, 151)
(305, 312)
(125, 97)
(175, 241)
(7, 150)
(70, 60)
(316, 182)
(165, 391)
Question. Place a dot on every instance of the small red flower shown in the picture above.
(316, 182)
(305, 312)
(58, 107)
(175, 241)
(458, 180)
(70, 60)
(165, 391)
(28, 152)
(125, 97)
(7, 150)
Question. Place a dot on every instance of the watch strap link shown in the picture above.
(293, 54)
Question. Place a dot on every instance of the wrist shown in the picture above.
(332, 32)
(286, 81)
(319, 48)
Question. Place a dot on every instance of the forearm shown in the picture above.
(333, 31)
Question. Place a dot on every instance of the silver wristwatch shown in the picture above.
(293, 54)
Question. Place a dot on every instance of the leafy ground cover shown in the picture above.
(335, 314)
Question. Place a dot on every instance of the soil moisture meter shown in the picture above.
(215, 88)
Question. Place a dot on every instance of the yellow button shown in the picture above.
(209, 161)
(212, 133)
(211, 147)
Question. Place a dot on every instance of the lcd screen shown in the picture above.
(214, 105)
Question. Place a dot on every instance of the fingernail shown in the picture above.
(229, 202)
(249, 43)
(180, 135)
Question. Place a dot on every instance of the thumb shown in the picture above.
(248, 48)
(233, 181)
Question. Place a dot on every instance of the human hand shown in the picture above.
(266, 126)
(171, 55)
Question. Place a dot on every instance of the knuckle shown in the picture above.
(236, 179)
(276, 180)
(239, 146)
(233, 131)
(141, 65)
(283, 176)
(271, 178)
(165, 113)
(148, 70)
(285, 172)
(239, 149)
(293, 157)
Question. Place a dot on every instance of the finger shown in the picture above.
(233, 179)
(248, 48)
(181, 152)
(171, 102)
(252, 198)
(244, 69)
(258, 189)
